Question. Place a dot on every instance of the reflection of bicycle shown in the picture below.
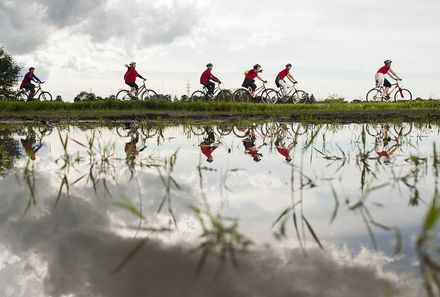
(260, 94)
(143, 94)
(293, 95)
(384, 132)
(39, 94)
(378, 93)
(218, 95)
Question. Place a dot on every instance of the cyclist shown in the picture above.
(27, 82)
(382, 81)
(130, 77)
(280, 82)
(250, 75)
(206, 77)
(208, 145)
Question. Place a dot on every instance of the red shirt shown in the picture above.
(251, 74)
(283, 151)
(28, 78)
(207, 150)
(130, 75)
(283, 73)
(384, 69)
(207, 76)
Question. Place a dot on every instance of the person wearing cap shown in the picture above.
(206, 77)
(250, 75)
(27, 84)
(280, 82)
(130, 77)
(382, 81)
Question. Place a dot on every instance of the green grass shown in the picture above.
(115, 108)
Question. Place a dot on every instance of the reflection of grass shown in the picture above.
(220, 235)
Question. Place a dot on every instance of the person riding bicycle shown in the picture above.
(130, 77)
(250, 75)
(27, 82)
(206, 77)
(208, 145)
(280, 82)
(382, 81)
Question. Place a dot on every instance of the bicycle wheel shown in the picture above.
(224, 96)
(149, 95)
(403, 130)
(299, 97)
(124, 95)
(375, 130)
(402, 95)
(242, 95)
(374, 95)
(241, 132)
(45, 96)
(197, 96)
(270, 96)
(224, 130)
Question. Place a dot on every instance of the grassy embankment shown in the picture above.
(113, 109)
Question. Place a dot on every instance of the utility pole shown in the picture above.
(187, 88)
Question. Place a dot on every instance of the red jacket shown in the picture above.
(207, 76)
(131, 75)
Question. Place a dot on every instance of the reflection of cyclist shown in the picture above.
(382, 81)
(250, 75)
(283, 149)
(279, 80)
(27, 82)
(206, 77)
(251, 149)
(29, 144)
(208, 145)
(130, 77)
(130, 148)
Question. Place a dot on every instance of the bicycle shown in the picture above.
(218, 95)
(143, 94)
(247, 95)
(292, 95)
(25, 95)
(378, 93)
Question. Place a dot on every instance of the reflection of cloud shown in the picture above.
(74, 249)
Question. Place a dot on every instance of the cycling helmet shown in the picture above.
(32, 68)
(387, 62)
(289, 65)
(209, 65)
(132, 63)
(256, 66)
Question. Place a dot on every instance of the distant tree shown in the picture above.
(85, 96)
(112, 97)
(184, 98)
(58, 98)
(9, 72)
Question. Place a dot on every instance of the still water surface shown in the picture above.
(277, 209)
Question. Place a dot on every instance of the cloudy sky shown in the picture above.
(335, 46)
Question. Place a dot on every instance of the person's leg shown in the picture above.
(211, 87)
(283, 87)
(253, 86)
(30, 88)
(387, 86)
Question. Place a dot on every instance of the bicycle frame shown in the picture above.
(257, 91)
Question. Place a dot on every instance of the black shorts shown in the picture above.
(386, 83)
(29, 86)
(133, 85)
(277, 82)
(249, 83)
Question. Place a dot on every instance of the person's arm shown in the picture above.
(140, 76)
(265, 81)
(215, 78)
(35, 79)
(393, 75)
(290, 77)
